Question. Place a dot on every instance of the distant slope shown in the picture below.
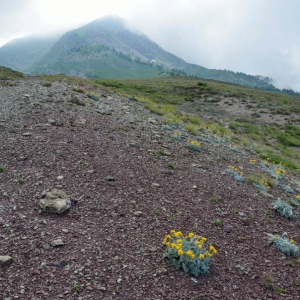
(106, 48)
(6, 73)
(20, 54)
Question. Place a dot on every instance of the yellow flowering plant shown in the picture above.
(192, 252)
(194, 145)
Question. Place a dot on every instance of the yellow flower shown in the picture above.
(178, 234)
(178, 247)
(292, 241)
(197, 243)
(180, 252)
(208, 254)
(166, 239)
(190, 254)
(298, 196)
(173, 245)
(204, 239)
(168, 244)
(213, 249)
(200, 246)
(172, 231)
(201, 256)
(190, 235)
(179, 241)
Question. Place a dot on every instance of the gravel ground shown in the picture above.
(111, 157)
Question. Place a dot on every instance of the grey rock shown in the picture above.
(138, 213)
(46, 246)
(228, 228)
(5, 260)
(61, 264)
(267, 195)
(55, 201)
(57, 243)
(52, 122)
(27, 134)
(110, 178)
(77, 101)
(153, 121)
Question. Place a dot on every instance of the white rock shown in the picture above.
(138, 213)
(5, 260)
(57, 243)
(55, 202)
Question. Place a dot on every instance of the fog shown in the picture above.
(258, 37)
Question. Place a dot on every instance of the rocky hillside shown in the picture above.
(128, 180)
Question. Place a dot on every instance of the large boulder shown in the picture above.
(55, 202)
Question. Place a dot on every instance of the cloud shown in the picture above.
(17, 18)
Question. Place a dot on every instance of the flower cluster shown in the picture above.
(284, 245)
(263, 185)
(194, 145)
(235, 173)
(94, 96)
(177, 135)
(192, 252)
(233, 147)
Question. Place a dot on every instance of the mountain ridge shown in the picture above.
(107, 48)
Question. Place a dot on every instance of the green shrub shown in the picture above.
(153, 108)
(192, 128)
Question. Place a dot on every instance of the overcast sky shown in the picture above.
(259, 37)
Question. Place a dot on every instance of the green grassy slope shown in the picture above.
(6, 73)
(270, 122)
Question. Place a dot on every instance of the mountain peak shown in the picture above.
(108, 22)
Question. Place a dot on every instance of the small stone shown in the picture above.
(267, 195)
(5, 260)
(51, 122)
(46, 246)
(80, 121)
(138, 213)
(65, 230)
(155, 184)
(60, 177)
(165, 171)
(61, 264)
(110, 178)
(27, 134)
(162, 271)
(57, 243)
(195, 187)
(153, 121)
(228, 228)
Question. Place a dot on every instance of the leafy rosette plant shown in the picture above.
(284, 245)
(192, 253)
